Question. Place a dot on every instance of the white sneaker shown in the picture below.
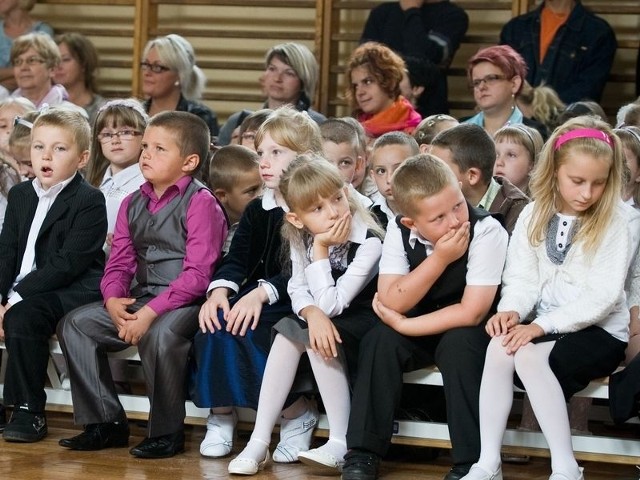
(562, 476)
(296, 434)
(218, 440)
(478, 473)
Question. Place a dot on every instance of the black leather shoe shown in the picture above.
(456, 473)
(25, 426)
(97, 436)
(360, 465)
(164, 446)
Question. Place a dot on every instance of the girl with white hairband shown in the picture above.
(115, 150)
(566, 267)
(171, 80)
(517, 149)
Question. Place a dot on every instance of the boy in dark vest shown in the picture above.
(169, 237)
(440, 272)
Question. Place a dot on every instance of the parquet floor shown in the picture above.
(46, 460)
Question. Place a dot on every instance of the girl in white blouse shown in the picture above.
(335, 247)
(566, 268)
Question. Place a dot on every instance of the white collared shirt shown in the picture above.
(45, 201)
(116, 187)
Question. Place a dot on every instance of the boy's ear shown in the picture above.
(474, 176)
(408, 222)
(191, 163)
(294, 220)
(84, 159)
(424, 148)
(360, 162)
(221, 194)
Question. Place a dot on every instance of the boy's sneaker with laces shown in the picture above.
(296, 434)
(25, 426)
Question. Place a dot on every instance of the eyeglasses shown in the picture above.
(106, 137)
(18, 62)
(488, 80)
(154, 67)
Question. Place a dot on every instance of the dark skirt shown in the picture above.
(579, 357)
(226, 369)
(352, 324)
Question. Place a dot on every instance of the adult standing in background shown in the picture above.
(171, 80)
(430, 30)
(77, 72)
(16, 21)
(290, 78)
(565, 46)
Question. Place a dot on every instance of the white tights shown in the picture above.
(531, 362)
(278, 378)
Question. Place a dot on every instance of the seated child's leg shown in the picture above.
(28, 325)
(331, 377)
(549, 405)
(278, 378)
(460, 357)
(86, 335)
(496, 398)
(164, 351)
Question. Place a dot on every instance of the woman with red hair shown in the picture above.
(375, 73)
(496, 75)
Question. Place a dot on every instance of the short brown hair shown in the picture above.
(228, 164)
(419, 177)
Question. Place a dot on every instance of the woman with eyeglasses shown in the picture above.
(496, 75)
(77, 71)
(16, 21)
(290, 78)
(171, 80)
(34, 57)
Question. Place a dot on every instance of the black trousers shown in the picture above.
(385, 355)
(28, 325)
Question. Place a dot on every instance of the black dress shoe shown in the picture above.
(25, 426)
(163, 446)
(97, 436)
(360, 465)
(456, 473)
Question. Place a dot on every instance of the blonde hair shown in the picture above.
(308, 178)
(42, 43)
(114, 114)
(291, 129)
(178, 55)
(593, 222)
(544, 103)
(429, 127)
(301, 59)
(419, 177)
(630, 138)
(70, 120)
(520, 134)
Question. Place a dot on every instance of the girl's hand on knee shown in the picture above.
(323, 334)
(501, 323)
(246, 312)
(208, 315)
(520, 336)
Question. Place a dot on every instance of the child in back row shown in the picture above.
(234, 178)
(630, 138)
(389, 151)
(517, 150)
(470, 153)
(115, 150)
(51, 261)
(168, 236)
(20, 143)
(568, 259)
(335, 247)
(247, 296)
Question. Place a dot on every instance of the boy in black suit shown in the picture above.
(51, 261)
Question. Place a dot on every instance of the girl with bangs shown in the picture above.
(115, 150)
(517, 149)
(335, 246)
(566, 268)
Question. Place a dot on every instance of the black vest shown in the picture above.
(449, 287)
